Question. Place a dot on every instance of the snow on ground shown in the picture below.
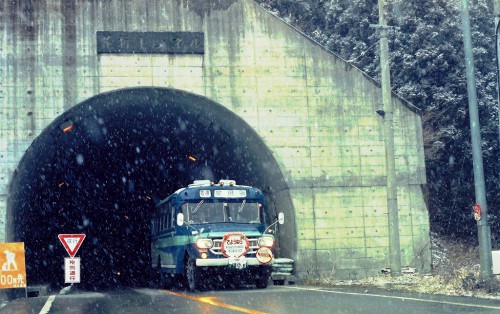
(456, 271)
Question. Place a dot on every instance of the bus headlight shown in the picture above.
(204, 243)
(266, 242)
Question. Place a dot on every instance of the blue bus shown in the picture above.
(210, 233)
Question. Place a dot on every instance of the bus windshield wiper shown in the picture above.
(198, 206)
(240, 209)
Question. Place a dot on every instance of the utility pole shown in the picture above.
(388, 115)
(496, 9)
(484, 232)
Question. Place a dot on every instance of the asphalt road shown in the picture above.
(274, 299)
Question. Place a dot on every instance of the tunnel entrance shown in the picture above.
(100, 168)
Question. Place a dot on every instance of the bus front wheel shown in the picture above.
(193, 275)
(166, 280)
(262, 279)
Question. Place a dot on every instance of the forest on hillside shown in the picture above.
(427, 63)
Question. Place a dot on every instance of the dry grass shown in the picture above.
(456, 271)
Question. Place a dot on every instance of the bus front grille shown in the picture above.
(253, 246)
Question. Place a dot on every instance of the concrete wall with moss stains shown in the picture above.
(315, 112)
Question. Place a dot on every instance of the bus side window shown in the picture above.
(225, 210)
(167, 218)
(185, 211)
(172, 215)
(163, 220)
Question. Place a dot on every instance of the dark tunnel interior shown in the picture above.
(100, 168)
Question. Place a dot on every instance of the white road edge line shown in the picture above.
(46, 308)
(400, 298)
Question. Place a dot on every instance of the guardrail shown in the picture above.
(282, 271)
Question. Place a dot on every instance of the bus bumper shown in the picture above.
(251, 261)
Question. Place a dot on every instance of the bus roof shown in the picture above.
(192, 191)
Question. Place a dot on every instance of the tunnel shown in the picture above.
(100, 167)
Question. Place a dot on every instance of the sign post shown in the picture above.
(71, 243)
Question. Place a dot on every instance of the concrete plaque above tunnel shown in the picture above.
(150, 42)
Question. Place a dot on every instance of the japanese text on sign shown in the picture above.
(72, 270)
(71, 242)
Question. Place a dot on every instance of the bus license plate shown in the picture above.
(238, 263)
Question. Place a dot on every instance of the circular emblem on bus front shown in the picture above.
(234, 245)
(264, 255)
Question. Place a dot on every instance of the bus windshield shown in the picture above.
(212, 212)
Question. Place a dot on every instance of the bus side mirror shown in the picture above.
(180, 219)
(281, 218)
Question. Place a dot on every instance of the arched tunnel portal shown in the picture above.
(100, 168)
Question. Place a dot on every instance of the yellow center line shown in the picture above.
(212, 301)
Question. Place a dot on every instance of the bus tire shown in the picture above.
(193, 275)
(166, 280)
(261, 282)
(155, 276)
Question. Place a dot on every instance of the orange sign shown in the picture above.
(264, 255)
(13, 266)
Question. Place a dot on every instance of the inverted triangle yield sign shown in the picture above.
(71, 242)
